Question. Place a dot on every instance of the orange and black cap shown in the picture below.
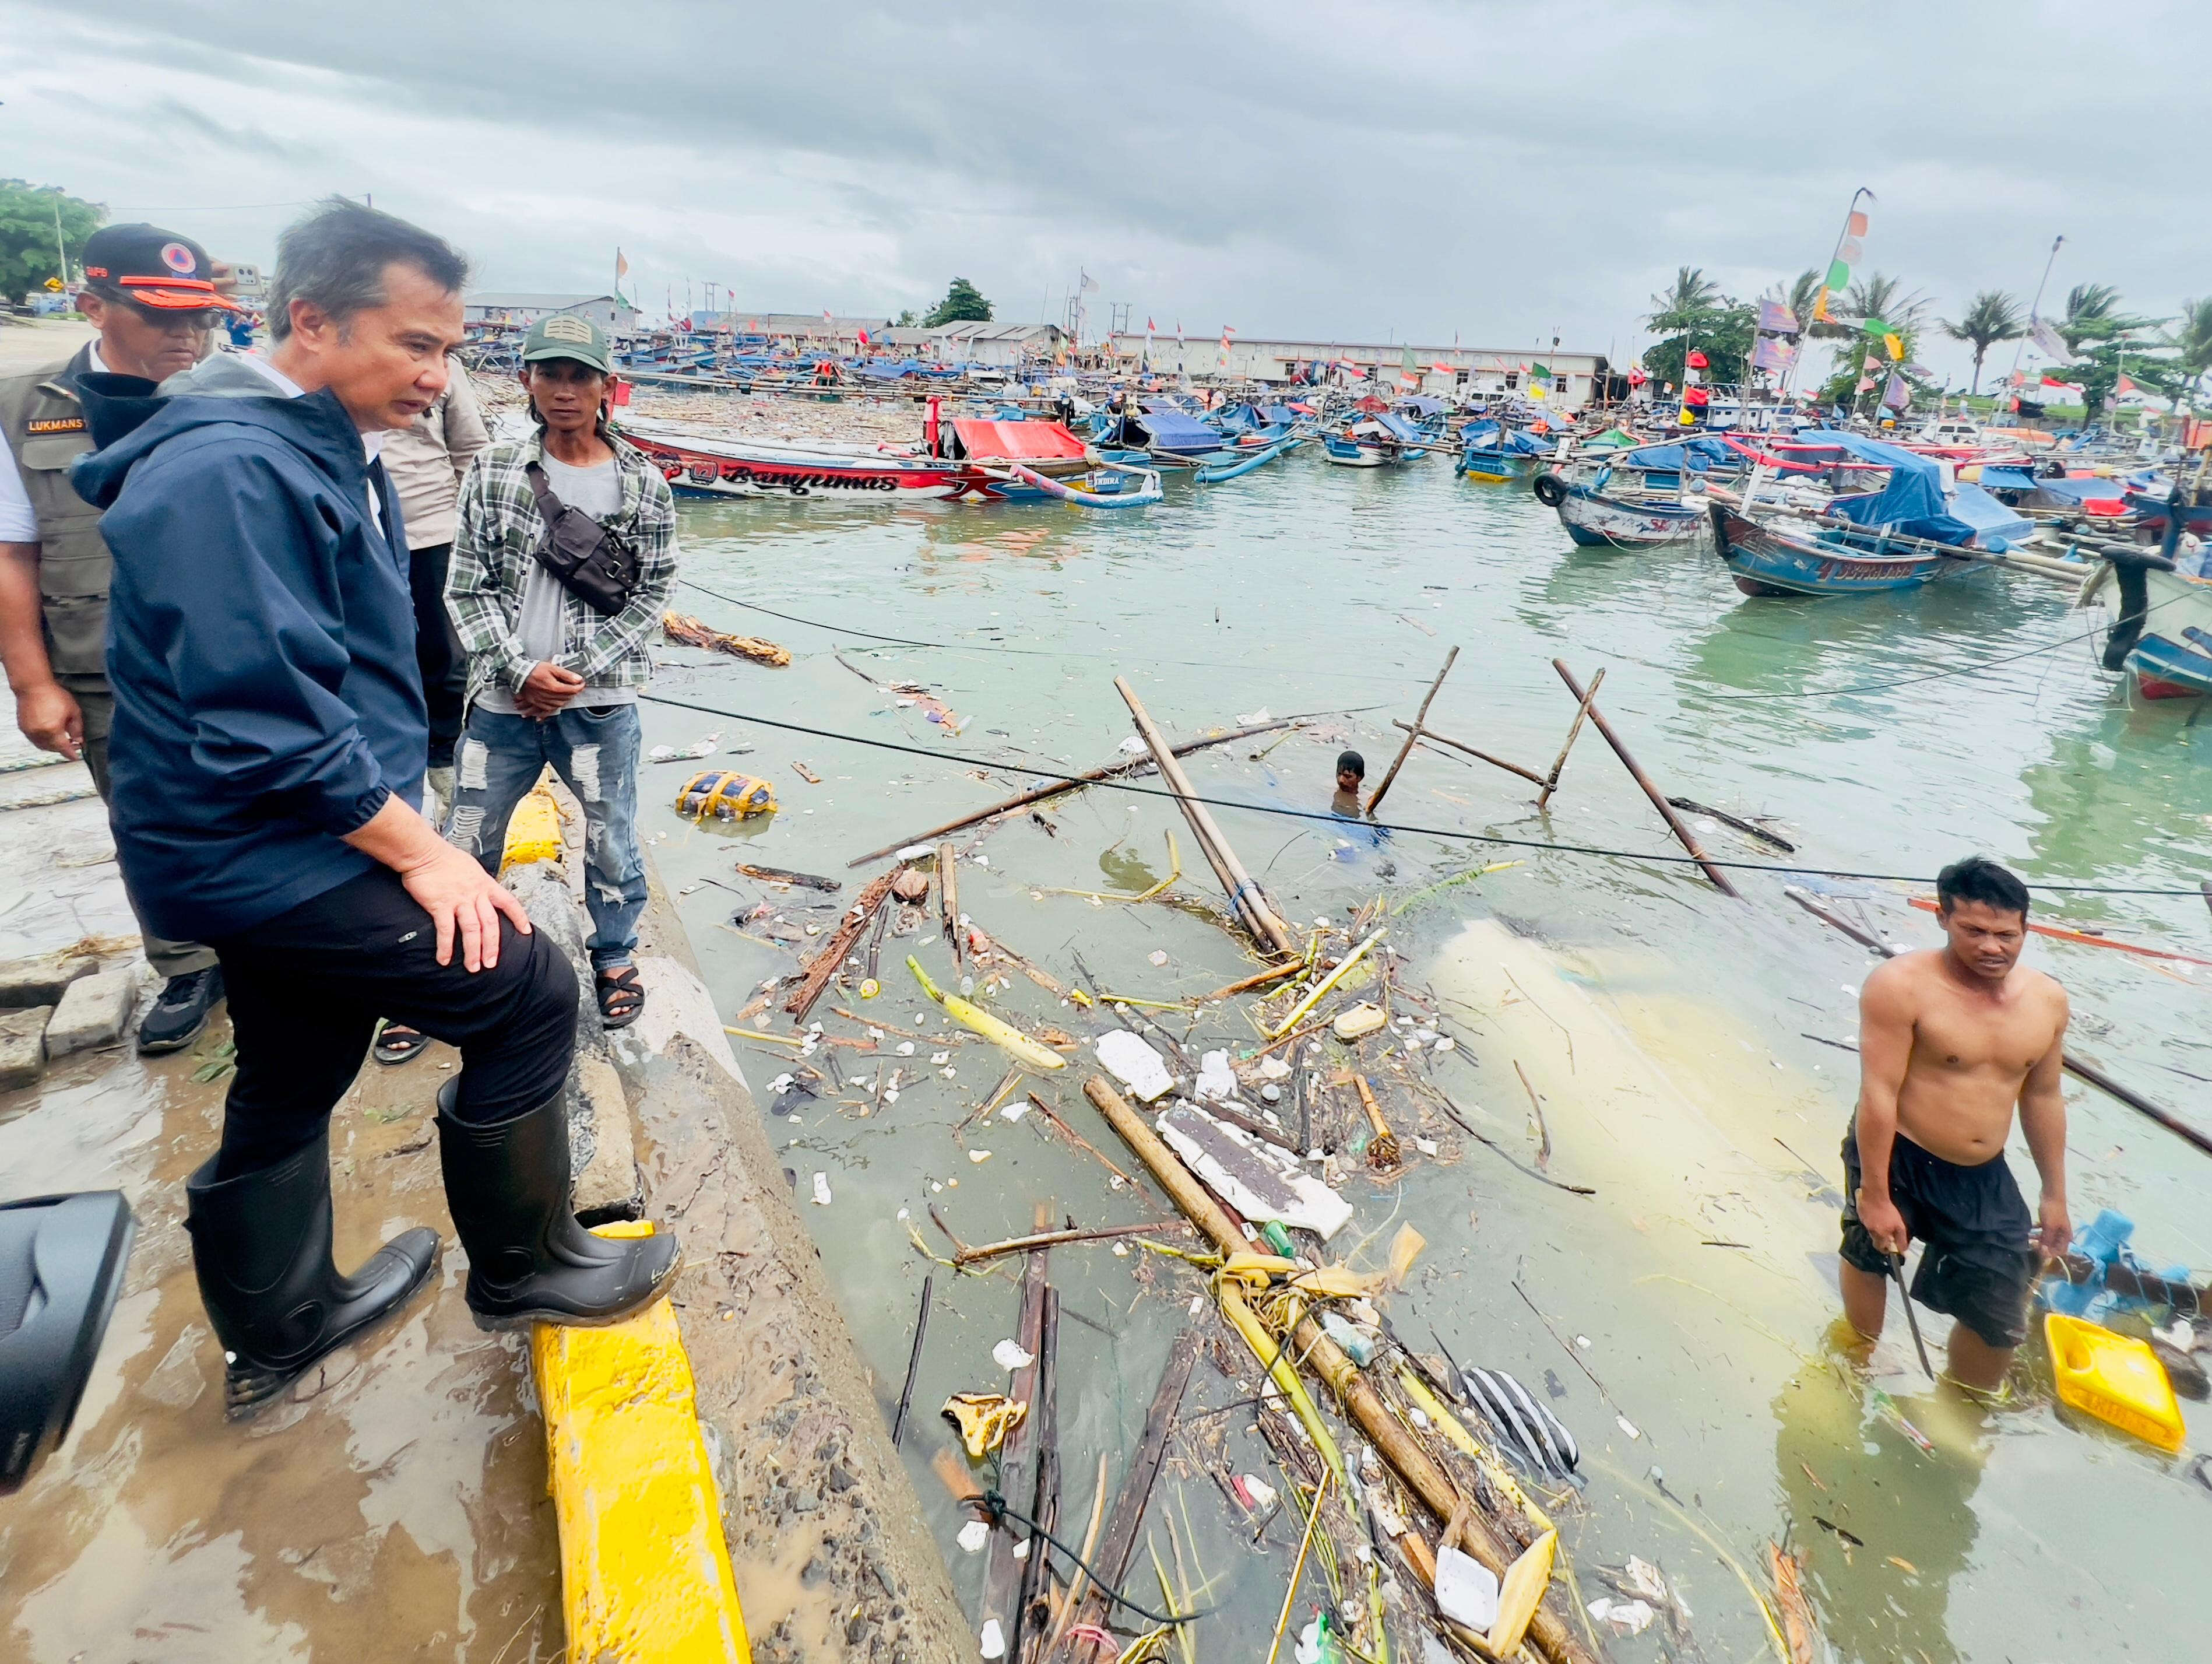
(152, 268)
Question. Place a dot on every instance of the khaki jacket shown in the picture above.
(427, 458)
(45, 429)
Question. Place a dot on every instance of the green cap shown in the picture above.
(568, 335)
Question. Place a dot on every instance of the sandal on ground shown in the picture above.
(396, 1043)
(622, 997)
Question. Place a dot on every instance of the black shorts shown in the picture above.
(1973, 1224)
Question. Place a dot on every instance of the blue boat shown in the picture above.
(1380, 440)
(1498, 455)
(1162, 435)
(1910, 533)
(1244, 461)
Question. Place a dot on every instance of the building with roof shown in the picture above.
(1574, 378)
(801, 328)
(609, 311)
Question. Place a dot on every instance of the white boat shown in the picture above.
(2162, 624)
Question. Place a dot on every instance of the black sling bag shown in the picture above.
(593, 563)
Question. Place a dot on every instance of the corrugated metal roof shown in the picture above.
(522, 301)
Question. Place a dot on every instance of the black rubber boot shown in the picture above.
(261, 1246)
(530, 1261)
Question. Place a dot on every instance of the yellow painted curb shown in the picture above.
(645, 1570)
(533, 831)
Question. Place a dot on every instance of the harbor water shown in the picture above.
(1678, 1319)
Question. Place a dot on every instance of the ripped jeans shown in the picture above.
(595, 753)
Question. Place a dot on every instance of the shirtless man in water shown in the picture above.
(1950, 1040)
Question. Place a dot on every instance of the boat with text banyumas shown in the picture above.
(2162, 627)
(703, 463)
(1921, 526)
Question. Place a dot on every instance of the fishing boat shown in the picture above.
(1597, 517)
(1499, 456)
(1247, 459)
(699, 463)
(2162, 627)
(1914, 531)
(995, 454)
(1161, 436)
(1380, 440)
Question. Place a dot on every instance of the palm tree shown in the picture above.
(1692, 300)
(2193, 340)
(2088, 307)
(1995, 316)
(1877, 295)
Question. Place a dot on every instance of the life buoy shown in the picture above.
(1551, 489)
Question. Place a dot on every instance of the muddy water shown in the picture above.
(397, 1512)
(1664, 1027)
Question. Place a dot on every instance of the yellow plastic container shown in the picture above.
(2116, 1379)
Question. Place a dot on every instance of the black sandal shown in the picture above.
(622, 997)
(396, 1043)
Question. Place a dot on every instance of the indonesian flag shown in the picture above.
(863, 334)
(2020, 378)
(825, 315)
(1698, 360)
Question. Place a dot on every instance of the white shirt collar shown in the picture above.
(94, 362)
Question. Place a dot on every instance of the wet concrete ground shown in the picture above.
(397, 1509)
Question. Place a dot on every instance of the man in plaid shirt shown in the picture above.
(552, 678)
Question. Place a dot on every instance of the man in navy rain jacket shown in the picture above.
(268, 753)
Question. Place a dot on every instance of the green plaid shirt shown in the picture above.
(494, 543)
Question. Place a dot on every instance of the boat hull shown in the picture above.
(1596, 520)
(1497, 467)
(712, 469)
(1765, 562)
(2172, 658)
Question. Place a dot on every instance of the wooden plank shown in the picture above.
(1414, 732)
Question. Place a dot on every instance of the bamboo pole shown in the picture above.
(1361, 1402)
(1658, 798)
(1273, 973)
(1435, 738)
(1582, 711)
(1021, 800)
(948, 898)
(2074, 1066)
(1243, 894)
(1420, 716)
(983, 1250)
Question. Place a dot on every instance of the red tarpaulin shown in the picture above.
(1025, 441)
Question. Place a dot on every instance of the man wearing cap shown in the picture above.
(556, 662)
(152, 295)
(270, 745)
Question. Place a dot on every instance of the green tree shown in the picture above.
(2109, 343)
(962, 303)
(2088, 308)
(1694, 314)
(27, 233)
(1874, 298)
(906, 319)
(1995, 316)
(2192, 340)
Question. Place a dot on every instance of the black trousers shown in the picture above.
(307, 986)
(438, 652)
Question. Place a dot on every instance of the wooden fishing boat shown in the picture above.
(1374, 441)
(2162, 632)
(1599, 518)
(1244, 462)
(1497, 455)
(1765, 560)
(701, 463)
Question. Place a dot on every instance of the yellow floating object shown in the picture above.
(869, 988)
(1269, 1350)
(533, 831)
(645, 1571)
(727, 793)
(1008, 1039)
(984, 1420)
(1256, 1270)
(1519, 1591)
(2115, 1378)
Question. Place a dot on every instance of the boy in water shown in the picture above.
(1951, 1041)
(1350, 770)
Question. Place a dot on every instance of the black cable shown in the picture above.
(1000, 1511)
(1453, 834)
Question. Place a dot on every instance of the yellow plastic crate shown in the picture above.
(2115, 1378)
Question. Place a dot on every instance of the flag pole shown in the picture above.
(1821, 295)
(2034, 312)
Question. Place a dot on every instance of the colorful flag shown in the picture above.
(1771, 353)
(2122, 385)
(2048, 341)
(1871, 365)
(1896, 395)
(1776, 318)
(863, 334)
(1875, 328)
(1857, 226)
(1820, 308)
(1696, 360)
(1866, 384)
(1895, 343)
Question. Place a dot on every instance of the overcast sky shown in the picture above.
(1502, 173)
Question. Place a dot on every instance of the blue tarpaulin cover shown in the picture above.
(1913, 502)
(1511, 442)
(2082, 490)
(1697, 456)
(2006, 479)
(1177, 433)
